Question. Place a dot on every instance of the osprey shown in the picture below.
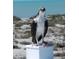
(39, 27)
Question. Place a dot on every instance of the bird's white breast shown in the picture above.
(40, 26)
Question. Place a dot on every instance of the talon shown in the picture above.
(45, 44)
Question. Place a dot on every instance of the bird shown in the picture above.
(39, 27)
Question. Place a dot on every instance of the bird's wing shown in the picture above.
(33, 31)
(46, 27)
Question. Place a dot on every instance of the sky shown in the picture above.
(28, 8)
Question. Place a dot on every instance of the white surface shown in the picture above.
(39, 52)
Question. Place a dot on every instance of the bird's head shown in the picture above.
(42, 11)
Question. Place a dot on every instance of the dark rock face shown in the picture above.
(15, 19)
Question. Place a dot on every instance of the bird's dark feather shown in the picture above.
(34, 28)
(45, 27)
(33, 31)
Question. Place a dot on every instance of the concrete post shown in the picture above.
(39, 52)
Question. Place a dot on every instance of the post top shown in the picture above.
(34, 46)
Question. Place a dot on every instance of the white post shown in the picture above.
(39, 52)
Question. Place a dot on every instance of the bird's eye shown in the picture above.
(42, 9)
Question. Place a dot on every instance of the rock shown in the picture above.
(19, 54)
(15, 19)
(59, 57)
(24, 27)
(55, 36)
(16, 47)
(59, 53)
(59, 25)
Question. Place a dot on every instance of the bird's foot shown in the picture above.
(44, 44)
(37, 44)
(33, 44)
